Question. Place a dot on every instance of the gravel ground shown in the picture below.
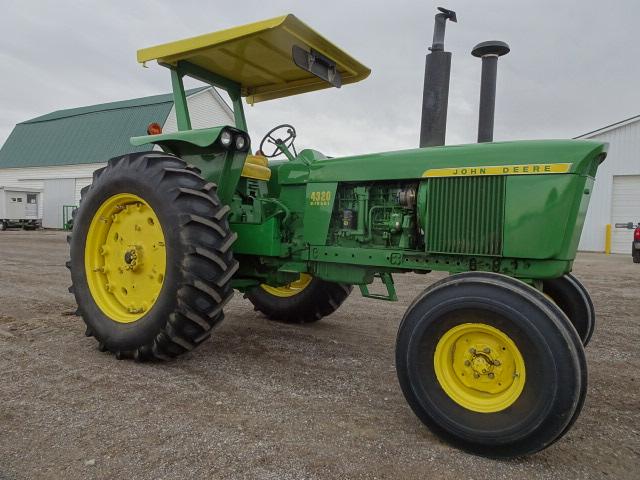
(270, 401)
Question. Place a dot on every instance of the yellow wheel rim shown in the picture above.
(479, 367)
(291, 289)
(125, 257)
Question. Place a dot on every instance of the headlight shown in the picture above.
(226, 138)
(240, 142)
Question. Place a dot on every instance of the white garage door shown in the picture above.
(626, 208)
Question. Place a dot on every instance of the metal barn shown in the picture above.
(57, 153)
(616, 193)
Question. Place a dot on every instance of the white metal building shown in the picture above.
(616, 193)
(58, 152)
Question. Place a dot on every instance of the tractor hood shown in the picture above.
(502, 158)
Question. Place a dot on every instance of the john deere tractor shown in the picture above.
(490, 358)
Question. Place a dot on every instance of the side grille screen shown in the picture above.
(465, 215)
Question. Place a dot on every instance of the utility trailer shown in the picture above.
(19, 208)
(490, 358)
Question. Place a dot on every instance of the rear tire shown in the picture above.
(313, 302)
(530, 334)
(196, 246)
(574, 300)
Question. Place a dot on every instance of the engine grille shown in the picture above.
(465, 215)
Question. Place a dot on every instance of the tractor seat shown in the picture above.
(256, 167)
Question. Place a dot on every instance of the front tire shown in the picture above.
(151, 258)
(574, 300)
(304, 301)
(635, 254)
(490, 365)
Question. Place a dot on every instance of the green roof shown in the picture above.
(84, 135)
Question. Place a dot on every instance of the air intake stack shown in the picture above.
(489, 52)
(435, 96)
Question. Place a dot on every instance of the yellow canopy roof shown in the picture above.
(258, 57)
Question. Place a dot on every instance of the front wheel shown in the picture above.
(491, 365)
(305, 300)
(574, 300)
(635, 254)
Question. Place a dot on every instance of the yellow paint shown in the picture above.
(125, 257)
(258, 57)
(291, 289)
(320, 198)
(480, 170)
(479, 367)
(256, 167)
(607, 239)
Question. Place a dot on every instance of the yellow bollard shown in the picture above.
(607, 239)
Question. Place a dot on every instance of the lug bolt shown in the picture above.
(491, 375)
(496, 363)
(476, 375)
(487, 350)
(467, 363)
(137, 227)
(472, 351)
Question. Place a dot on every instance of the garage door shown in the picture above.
(626, 208)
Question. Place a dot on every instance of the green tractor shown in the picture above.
(491, 358)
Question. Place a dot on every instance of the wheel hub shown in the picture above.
(132, 258)
(479, 367)
(125, 257)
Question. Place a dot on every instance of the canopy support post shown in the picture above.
(229, 86)
(180, 101)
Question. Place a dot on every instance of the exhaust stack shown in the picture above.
(435, 97)
(489, 52)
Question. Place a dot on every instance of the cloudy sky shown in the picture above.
(574, 65)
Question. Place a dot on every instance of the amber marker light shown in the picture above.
(154, 129)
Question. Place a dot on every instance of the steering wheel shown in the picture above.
(272, 138)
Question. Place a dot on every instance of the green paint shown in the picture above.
(257, 238)
(387, 281)
(318, 208)
(180, 101)
(515, 208)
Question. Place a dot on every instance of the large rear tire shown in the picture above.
(491, 365)
(574, 300)
(304, 301)
(151, 258)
